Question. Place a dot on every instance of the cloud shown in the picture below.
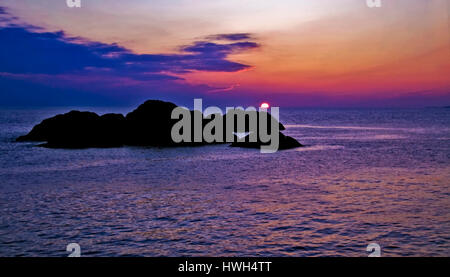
(211, 49)
(6, 18)
(224, 89)
(26, 50)
(231, 37)
(39, 67)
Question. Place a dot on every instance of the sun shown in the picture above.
(265, 105)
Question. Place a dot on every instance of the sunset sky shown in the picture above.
(288, 52)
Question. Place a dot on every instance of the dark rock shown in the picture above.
(148, 125)
(112, 130)
(58, 124)
(78, 130)
(285, 142)
(151, 125)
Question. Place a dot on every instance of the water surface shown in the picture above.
(365, 176)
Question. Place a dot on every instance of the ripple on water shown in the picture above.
(386, 183)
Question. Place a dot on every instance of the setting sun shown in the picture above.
(265, 105)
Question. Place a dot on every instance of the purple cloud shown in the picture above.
(28, 50)
(231, 37)
(39, 67)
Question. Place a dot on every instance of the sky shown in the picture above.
(316, 53)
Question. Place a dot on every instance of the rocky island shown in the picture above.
(148, 125)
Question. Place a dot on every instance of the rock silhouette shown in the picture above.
(285, 143)
(77, 129)
(148, 125)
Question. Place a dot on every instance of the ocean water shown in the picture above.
(365, 175)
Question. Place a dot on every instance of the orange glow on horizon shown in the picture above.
(305, 47)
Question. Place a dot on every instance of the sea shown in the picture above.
(364, 176)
